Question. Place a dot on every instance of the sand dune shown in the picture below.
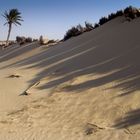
(84, 88)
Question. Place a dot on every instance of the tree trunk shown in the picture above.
(9, 32)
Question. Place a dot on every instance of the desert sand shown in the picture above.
(87, 88)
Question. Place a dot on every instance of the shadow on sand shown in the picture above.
(131, 119)
(97, 52)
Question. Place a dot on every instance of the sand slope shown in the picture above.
(84, 88)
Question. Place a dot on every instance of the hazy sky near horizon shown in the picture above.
(52, 18)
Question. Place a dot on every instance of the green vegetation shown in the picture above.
(74, 31)
(129, 13)
(22, 40)
(77, 30)
(88, 26)
(13, 16)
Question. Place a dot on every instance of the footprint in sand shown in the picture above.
(14, 76)
(92, 128)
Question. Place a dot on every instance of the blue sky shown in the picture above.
(52, 18)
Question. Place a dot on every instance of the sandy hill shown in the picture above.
(83, 89)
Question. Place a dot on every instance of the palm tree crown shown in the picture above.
(13, 17)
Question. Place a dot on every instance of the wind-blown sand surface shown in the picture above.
(86, 88)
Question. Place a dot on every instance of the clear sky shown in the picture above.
(52, 18)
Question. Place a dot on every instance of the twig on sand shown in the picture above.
(27, 91)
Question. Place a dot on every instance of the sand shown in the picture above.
(86, 88)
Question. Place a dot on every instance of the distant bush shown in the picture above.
(103, 20)
(74, 31)
(88, 26)
(114, 15)
(22, 40)
(18, 39)
(29, 40)
(111, 16)
(80, 28)
(34, 40)
(129, 12)
(22, 43)
(11, 42)
(51, 41)
(119, 13)
(41, 40)
(96, 25)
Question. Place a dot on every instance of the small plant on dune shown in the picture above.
(96, 25)
(119, 13)
(74, 31)
(41, 40)
(35, 40)
(88, 26)
(80, 28)
(131, 12)
(20, 39)
(114, 15)
(103, 20)
(12, 16)
(29, 40)
(51, 41)
(11, 42)
(111, 16)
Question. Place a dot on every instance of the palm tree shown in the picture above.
(12, 16)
